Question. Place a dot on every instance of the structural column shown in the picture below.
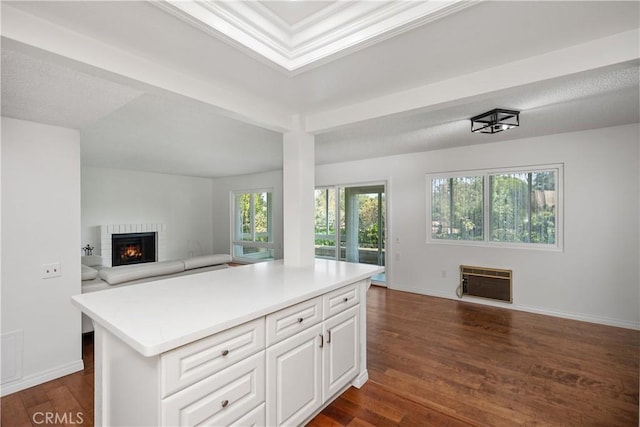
(298, 203)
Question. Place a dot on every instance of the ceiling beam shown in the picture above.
(27, 30)
(616, 49)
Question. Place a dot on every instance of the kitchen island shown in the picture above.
(264, 344)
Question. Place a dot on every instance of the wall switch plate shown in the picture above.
(51, 270)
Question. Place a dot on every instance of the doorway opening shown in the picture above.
(350, 225)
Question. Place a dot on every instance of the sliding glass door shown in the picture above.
(350, 224)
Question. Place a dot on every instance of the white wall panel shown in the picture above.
(40, 225)
(183, 205)
(595, 278)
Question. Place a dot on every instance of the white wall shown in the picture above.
(595, 278)
(183, 204)
(222, 188)
(40, 224)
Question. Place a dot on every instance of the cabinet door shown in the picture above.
(341, 351)
(294, 378)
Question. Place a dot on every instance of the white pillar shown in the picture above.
(298, 203)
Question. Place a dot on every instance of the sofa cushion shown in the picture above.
(88, 273)
(125, 273)
(91, 260)
(206, 260)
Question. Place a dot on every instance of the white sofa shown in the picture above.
(96, 277)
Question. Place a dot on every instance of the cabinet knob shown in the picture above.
(225, 352)
(345, 299)
(224, 403)
(300, 319)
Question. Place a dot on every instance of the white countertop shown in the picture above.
(158, 316)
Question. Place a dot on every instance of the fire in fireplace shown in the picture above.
(133, 248)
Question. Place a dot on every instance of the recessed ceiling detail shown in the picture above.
(336, 28)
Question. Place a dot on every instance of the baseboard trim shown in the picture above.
(41, 377)
(362, 378)
(527, 308)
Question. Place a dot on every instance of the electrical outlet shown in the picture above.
(51, 270)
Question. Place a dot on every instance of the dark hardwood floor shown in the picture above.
(67, 401)
(437, 362)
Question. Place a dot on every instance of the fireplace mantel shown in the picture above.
(109, 229)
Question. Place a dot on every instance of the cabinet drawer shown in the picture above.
(220, 399)
(291, 320)
(339, 300)
(255, 418)
(189, 364)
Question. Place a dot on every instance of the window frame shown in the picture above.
(558, 168)
(270, 244)
(335, 236)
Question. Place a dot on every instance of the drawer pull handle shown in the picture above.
(300, 319)
(224, 403)
(329, 336)
(345, 299)
(321, 340)
(225, 352)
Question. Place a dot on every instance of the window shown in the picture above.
(252, 226)
(456, 210)
(329, 223)
(510, 207)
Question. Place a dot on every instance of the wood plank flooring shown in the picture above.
(437, 362)
(66, 401)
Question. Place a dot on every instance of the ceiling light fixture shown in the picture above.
(495, 121)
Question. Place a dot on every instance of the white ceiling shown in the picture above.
(590, 100)
(299, 35)
(292, 12)
(36, 90)
(161, 95)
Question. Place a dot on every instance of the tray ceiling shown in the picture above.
(298, 35)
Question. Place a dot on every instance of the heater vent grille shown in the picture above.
(485, 282)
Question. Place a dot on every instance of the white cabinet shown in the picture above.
(307, 369)
(291, 320)
(341, 299)
(220, 399)
(294, 378)
(277, 369)
(191, 363)
(341, 362)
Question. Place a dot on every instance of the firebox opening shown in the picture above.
(133, 248)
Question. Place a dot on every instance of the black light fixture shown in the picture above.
(495, 121)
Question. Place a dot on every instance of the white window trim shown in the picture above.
(336, 234)
(245, 243)
(485, 173)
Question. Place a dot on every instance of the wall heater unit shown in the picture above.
(484, 282)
